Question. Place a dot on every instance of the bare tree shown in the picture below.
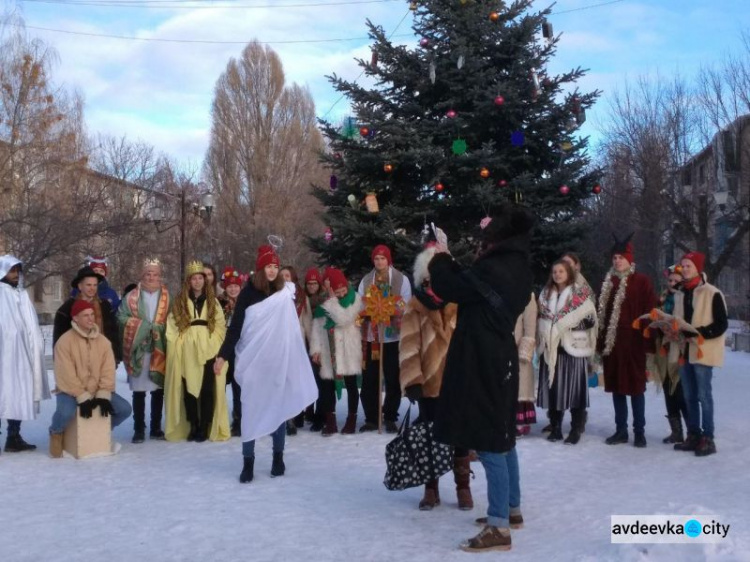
(262, 158)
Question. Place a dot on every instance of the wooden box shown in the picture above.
(88, 437)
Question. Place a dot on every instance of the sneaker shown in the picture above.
(368, 426)
(139, 436)
(488, 539)
(706, 446)
(617, 438)
(515, 520)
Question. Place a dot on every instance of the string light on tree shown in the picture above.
(499, 100)
(328, 234)
(450, 114)
(439, 187)
(388, 168)
(502, 183)
(484, 172)
(564, 189)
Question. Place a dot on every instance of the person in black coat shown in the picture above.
(86, 284)
(479, 396)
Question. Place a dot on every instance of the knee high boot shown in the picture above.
(157, 404)
(462, 475)
(206, 415)
(191, 412)
(139, 417)
(431, 497)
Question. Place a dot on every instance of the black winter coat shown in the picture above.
(479, 396)
(63, 320)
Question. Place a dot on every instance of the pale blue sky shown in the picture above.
(162, 92)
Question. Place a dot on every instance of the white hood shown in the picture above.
(6, 264)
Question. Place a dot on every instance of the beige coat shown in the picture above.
(525, 334)
(712, 351)
(84, 365)
(425, 337)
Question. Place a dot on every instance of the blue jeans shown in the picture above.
(696, 387)
(503, 486)
(279, 438)
(66, 411)
(638, 403)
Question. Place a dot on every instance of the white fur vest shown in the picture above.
(346, 358)
(559, 315)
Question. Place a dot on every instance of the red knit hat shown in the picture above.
(79, 306)
(697, 258)
(97, 262)
(313, 275)
(382, 250)
(623, 247)
(337, 279)
(231, 277)
(266, 256)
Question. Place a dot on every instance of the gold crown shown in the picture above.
(148, 262)
(193, 267)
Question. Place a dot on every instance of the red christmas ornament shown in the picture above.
(424, 42)
(450, 114)
(439, 187)
(388, 168)
(484, 172)
(564, 189)
(499, 100)
(494, 16)
(597, 189)
(364, 131)
(502, 183)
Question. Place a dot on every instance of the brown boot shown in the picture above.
(489, 538)
(461, 475)
(350, 426)
(330, 427)
(55, 445)
(431, 497)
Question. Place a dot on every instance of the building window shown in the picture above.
(701, 174)
(57, 291)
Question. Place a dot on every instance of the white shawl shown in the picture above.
(272, 366)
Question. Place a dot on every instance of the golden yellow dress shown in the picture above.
(187, 354)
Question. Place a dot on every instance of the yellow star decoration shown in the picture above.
(380, 308)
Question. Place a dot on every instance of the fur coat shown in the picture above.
(425, 337)
(525, 334)
(346, 356)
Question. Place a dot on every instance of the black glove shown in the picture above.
(87, 408)
(105, 406)
(413, 392)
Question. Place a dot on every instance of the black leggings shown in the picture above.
(427, 411)
(327, 396)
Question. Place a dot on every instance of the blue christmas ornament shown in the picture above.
(516, 139)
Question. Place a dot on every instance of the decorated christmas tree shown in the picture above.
(468, 118)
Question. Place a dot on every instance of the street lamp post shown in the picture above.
(204, 211)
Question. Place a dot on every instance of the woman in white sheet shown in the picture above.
(271, 363)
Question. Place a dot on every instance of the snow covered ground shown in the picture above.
(182, 502)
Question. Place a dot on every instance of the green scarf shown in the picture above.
(346, 301)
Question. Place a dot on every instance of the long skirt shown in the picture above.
(570, 387)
